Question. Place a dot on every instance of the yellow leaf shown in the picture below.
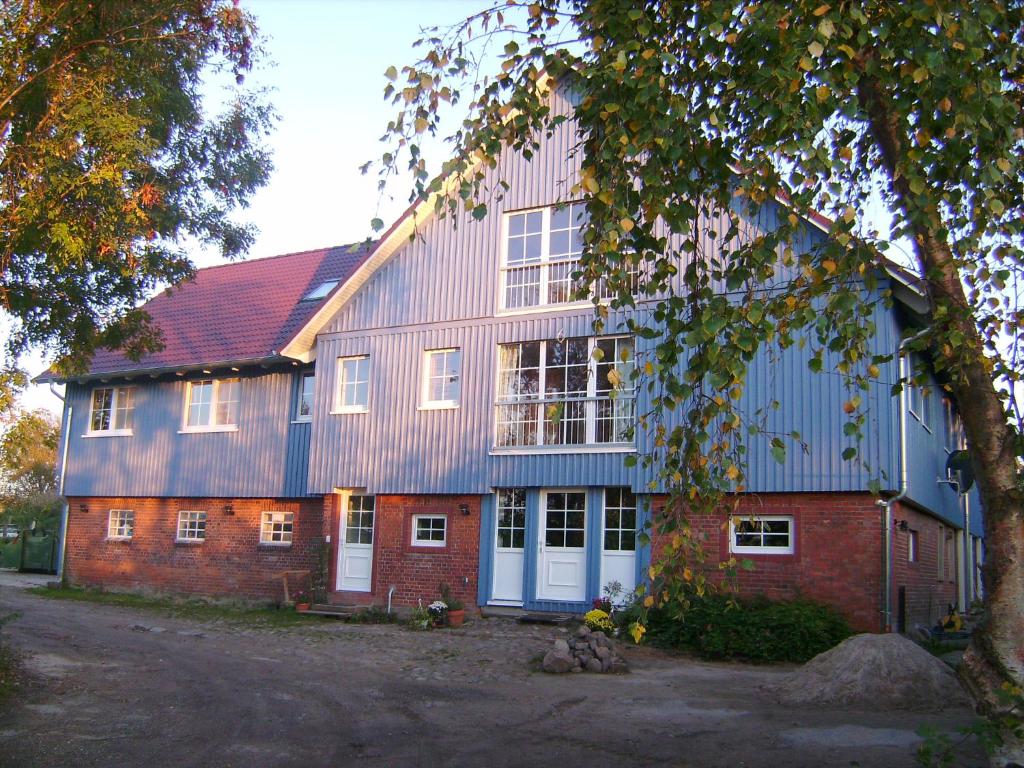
(1003, 164)
(732, 472)
(821, 10)
(626, 224)
(591, 185)
(648, 53)
(829, 265)
(687, 574)
(648, 601)
(637, 631)
(534, 10)
(649, 368)
(421, 124)
(874, 371)
(822, 92)
(815, 49)
(849, 407)
(945, 105)
(846, 153)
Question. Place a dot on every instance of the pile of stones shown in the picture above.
(586, 651)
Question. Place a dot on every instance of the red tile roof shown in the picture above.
(235, 312)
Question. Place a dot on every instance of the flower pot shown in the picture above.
(455, 618)
(303, 607)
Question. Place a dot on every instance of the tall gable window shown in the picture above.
(559, 392)
(211, 405)
(112, 411)
(353, 384)
(542, 250)
(304, 406)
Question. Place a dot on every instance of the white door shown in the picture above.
(509, 546)
(355, 555)
(618, 547)
(562, 559)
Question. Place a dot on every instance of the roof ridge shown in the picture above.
(242, 262)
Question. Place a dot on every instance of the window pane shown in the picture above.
(574, 538)
(102, 400)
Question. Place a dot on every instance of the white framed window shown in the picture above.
(112, 411)
(353, 384)
(191, 525)
(911, 546)
(619, 520)
(511, 528)
(211, 405)
(920, 397)
(429, 530)
(954, 427)
(542, 249)
(442, 384)
(276, 527)
(761, 535)
(557, 393)
(304, 403)
(121, 524)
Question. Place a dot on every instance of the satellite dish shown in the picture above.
(958, 468)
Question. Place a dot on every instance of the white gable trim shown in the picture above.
(302, 345)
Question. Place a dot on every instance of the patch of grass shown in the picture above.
(372, 615)
(183, 607)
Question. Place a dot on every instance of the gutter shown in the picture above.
(887, 504)
(130, 373)
(69, 411)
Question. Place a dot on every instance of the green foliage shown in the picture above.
(453, 603)
(28, 458)
(711, 135)
(108, 163)
(372, 615)
(318, 579)
(758, 630)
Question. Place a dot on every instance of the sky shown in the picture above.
(325, 63)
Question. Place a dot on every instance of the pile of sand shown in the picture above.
(877, 672)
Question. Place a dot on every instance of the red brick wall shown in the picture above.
(837, 557)
(929, 590)
(231, 562)
(416, 572)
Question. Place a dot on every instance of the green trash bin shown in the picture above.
(38, 551)
(10, 552)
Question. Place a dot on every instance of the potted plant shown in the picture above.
(303, 601)
(456, 610)
(438, 611)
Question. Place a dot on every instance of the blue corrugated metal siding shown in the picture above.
(266, 457)
(442, 290)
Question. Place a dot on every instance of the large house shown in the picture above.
(430, 410)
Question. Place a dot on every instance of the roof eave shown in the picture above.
(156, 371)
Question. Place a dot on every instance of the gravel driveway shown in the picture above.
(118, 686)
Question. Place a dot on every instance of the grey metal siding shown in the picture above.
(266, 457)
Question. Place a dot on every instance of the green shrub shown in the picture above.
(757, 630)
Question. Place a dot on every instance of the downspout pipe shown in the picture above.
(65, 507)
(887, 504)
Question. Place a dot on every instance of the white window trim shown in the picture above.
(110, 515)
(201, 428)
(590, 426)
(90, 432)
(264, 542)
(177, 527)
(437, 405)
(339, 385)
(743, 550)
(544, 263)
(415, 529)
(299, 418)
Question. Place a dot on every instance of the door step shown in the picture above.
(338, 611)
(557, 619)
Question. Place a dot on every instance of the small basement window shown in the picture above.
(767, 535)
(276, 528)
(191, 526)
(121, 524)
(321, 290)
(429, 530)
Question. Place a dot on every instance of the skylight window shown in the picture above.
(320, 291)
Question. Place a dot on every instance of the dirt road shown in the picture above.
(118, 686)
